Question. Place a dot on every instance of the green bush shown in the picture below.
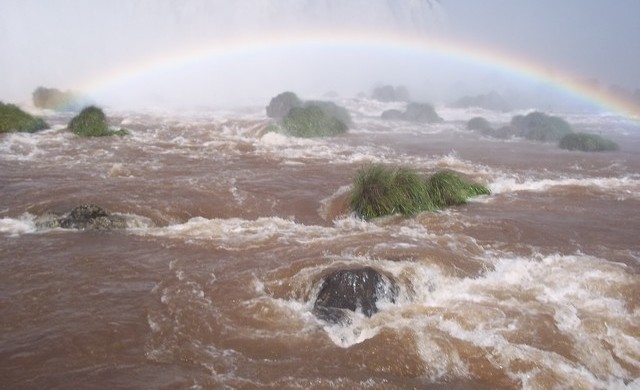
(12, 118)
(378, 191)
(587, 143)
(280, 105)
(538, 126)
(447, 188)
(311, 121)
(92, 122)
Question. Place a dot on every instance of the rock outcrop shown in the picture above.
(358, 289)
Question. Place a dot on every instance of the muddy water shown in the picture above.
(230, 230)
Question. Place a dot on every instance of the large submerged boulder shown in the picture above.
(87, 217)
(358, 289)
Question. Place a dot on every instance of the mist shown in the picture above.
(73, 44)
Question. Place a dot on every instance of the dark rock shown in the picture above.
(353, 289)
(389, 93)
(280, 105)
(415, 112)
(87, 217)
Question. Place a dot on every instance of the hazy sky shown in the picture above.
(57, 43)
(591, 38)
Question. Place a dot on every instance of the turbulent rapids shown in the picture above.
(231, 229)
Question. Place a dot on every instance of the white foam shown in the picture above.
(484, 310)
(17, 226)
(626, 186)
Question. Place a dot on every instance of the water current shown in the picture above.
(231, 228)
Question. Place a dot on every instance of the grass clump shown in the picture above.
(447, 188)
(312, 121)
(587, 143)
(379, 191)
(14, 119)
(92, 122)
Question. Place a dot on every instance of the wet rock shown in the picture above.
(353, 290)
(87, 217)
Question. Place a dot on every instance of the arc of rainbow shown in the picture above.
(463, 52)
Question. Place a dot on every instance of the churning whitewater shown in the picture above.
(230, 229)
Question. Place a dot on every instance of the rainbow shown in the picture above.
(224, 48)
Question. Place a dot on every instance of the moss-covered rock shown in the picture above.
(587, 143)
(379, 191)
(85, 217)
(92, 122)
(55, 99)
(312, 121)
(538, 126)
(280, 105)
(14, 119)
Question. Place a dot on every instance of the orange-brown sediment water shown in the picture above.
(231, 228)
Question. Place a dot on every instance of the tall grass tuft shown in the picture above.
(447, 188)
(13, 119)
(379, 191)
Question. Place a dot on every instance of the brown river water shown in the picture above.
(230, 230)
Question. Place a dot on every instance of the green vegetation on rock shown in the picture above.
(311, 121)
(331, 109)
(14, 119)
(379, 191)
(587, 143)
(538, 126)
(312, 118)
(92, 122)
